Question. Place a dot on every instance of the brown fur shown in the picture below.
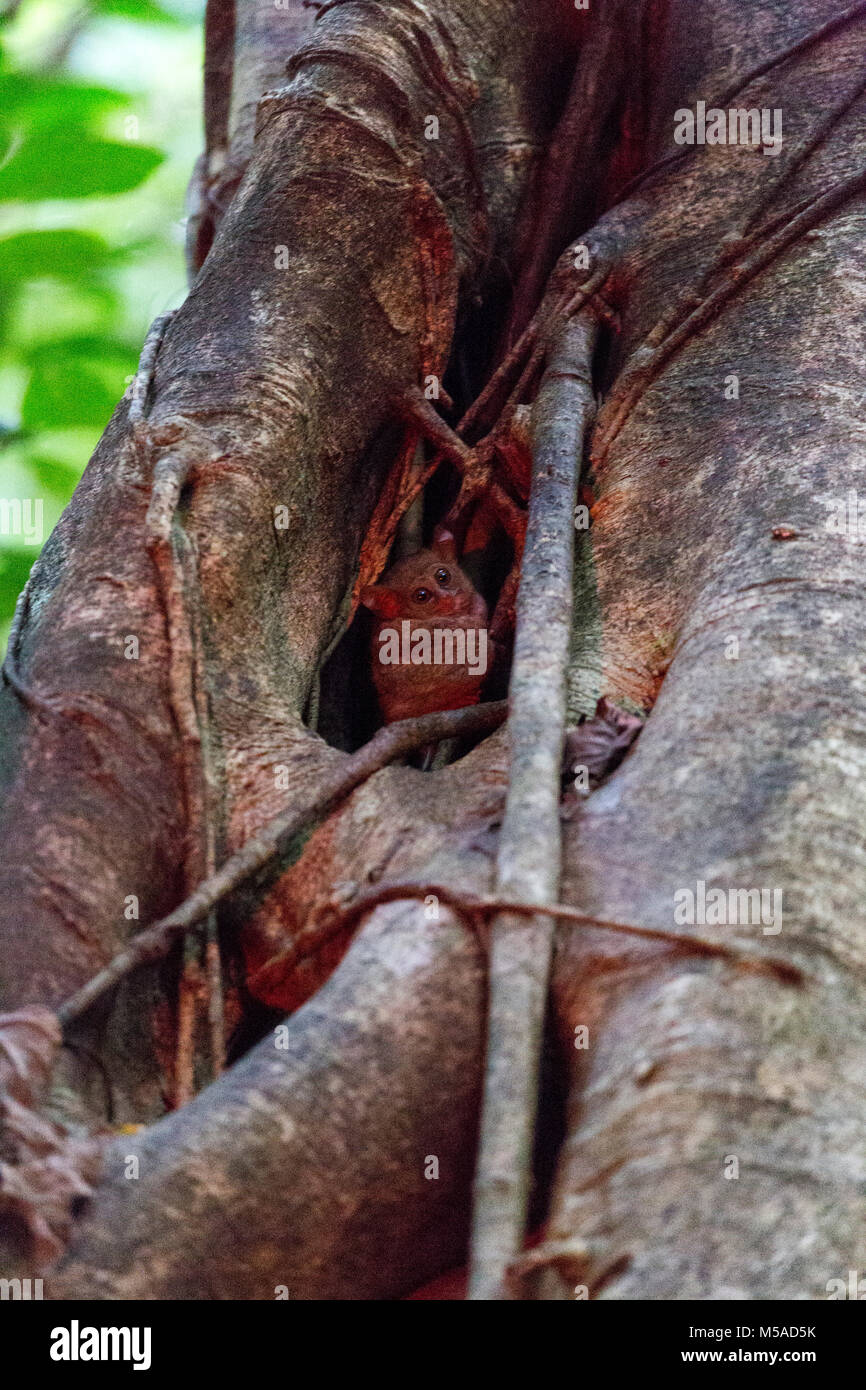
(406, 691)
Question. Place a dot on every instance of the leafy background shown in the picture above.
(100, 125)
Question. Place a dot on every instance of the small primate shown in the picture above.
(429, 645)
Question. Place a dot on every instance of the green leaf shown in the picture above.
(45, 311)
(67, 163)
(15, 567)
(62, 255)
(35, 101)
(76, 382)
(144, 10)
(54, 475)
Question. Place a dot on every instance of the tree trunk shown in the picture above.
(714, 1141)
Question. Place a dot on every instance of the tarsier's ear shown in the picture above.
(382, 600)
(444, 543)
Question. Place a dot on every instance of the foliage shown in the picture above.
(99, 126)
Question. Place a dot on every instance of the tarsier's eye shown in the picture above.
(422, 595)
(442, 576)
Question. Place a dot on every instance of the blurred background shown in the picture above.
(100, 124)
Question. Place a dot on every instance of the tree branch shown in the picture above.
(528, 859)
(391, 742)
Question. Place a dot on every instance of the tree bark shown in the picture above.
(712, 1109)
(749, 772)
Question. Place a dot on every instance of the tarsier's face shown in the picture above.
(427, 586)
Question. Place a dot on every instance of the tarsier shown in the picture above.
(429, 647)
